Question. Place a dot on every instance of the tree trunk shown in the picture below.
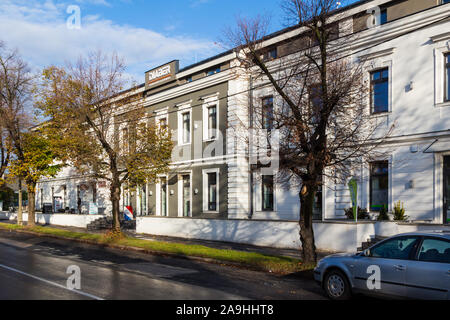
(20, 209)
(307, 195)
(115, 200)
(31, 189)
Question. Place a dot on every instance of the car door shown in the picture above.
(391, 258)
(428, 275)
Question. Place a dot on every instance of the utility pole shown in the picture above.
(19, 213)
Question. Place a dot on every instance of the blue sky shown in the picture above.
(146, 33)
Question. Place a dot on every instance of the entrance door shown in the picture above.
(447, 189)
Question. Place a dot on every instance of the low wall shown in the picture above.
(341, 236)
(65, 220)
(337, 236)
(388, 229)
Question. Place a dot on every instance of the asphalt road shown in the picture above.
(36, 268)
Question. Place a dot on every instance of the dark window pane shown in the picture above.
(267, 193)
(186, 196)
(379, 185)
(212, 122)
(383, 16)
(267, 116)
(398, 248)
(212, 191)
(186, 127)
(434, 250)
(380, 91)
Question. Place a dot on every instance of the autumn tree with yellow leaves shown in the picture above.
(101, 130)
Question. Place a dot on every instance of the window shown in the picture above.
(435, 250)
(125, 142)
(447, 76)
(186, 127)
(397, 248)
(186, 179)
(163, 123)
(267, 193)
(267, 113)
(213, 71)
(212, 191)
(316, 102)
(383, 16)
(163, 197)
(379, 90)
(143, 200)
(270, 54)
(212, 122)
(379, 185)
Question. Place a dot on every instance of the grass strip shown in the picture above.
(253, 260)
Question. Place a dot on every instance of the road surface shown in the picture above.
(36, 268)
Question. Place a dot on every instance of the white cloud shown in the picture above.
(40, 33)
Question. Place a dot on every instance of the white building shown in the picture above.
(409, 54)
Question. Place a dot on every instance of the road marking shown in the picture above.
(51, 283)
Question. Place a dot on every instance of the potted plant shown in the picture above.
(399, 212)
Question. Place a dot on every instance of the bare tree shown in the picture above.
(322, 107)
(100, 130)
(15, 96)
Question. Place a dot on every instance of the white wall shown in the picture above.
(277, 234)
(329, 236)
(64, 220)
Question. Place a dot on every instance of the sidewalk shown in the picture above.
(207, 243)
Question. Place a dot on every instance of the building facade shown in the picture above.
(211, 191)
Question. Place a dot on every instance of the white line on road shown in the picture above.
(51, 283)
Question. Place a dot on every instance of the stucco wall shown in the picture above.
(342, 236)
(65, 220)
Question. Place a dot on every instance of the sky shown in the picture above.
(146, 33)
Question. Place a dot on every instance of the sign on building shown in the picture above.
(161, 75)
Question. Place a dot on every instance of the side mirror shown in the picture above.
(367, 253)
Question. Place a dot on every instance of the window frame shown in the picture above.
(262, 194)
(370, 182)
(446, 77)
(158, 196)
(263, 113)
(208, 102)
(182, 110)
(181, 194)
(205, 199)
(380, 81)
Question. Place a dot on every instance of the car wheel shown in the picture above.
(337, 286)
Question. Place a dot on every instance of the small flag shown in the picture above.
(128, 214)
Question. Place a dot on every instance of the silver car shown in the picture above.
(412, 265)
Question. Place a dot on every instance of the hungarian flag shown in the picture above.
(128, 214)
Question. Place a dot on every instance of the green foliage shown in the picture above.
(362, 213)
(383, 215)
(399, 212)
(38, 160)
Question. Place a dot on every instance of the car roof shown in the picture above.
(436, 234)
